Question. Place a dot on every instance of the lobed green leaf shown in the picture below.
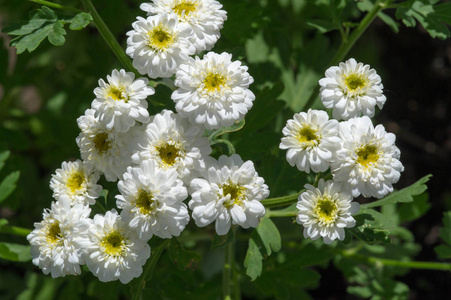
(405, 195)
(80, 21)
(44, 23)
(368, 228)
(425, 12)
(15, 252)
(264, 240)
(8, 185)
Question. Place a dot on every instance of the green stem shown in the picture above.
(276, 213)
(228, 269)
(100, 207)
(349, 42)
(281, 201)
(58, 6)
(109, 38)
(15, 230)
(148, 269)
(425, 265)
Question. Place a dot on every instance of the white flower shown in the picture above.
(122, 101)
(204, 18)
(76, 180)
(108, 151)
(230, 193)
(173, 143)
(53, 248)
(113, 250)
(325, 211)
(368, 162)
(213, 91)
(311, 139)
(158, 46)
(151, 201)
(351, 90)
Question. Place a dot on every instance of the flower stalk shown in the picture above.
(56, 5)
(349, 41)
(423, 265)
(109, 38)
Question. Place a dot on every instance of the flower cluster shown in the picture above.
(157, 160)
(363, 159)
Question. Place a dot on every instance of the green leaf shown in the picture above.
(424, 12)
(367, 229)
(183, 258)
(403, 196)
(235, 127)
(3, 157)
(389, 21)
(445, 232)
(264, 240)
(44, 23)
(80, 21)
(311, 255)
(322, 26)
(415, 209)
(443, 12)
(15, 252)
(104, 195)
(56, 36)
(444, 251)
(265, 108)
(8, 185)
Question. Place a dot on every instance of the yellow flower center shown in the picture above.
(355, 84)
(75, 181)
(168, 154)
(236, 193)
(113, 244)
(146, 202)
(116, 93)
(326, 210)
(367, 155)
(101, 143)
(184, 6)
(160, 38)
(214, 81)
(307, 135)
(54, 233)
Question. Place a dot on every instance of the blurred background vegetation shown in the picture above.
(43, 93)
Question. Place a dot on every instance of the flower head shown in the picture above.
(53, 245)
(311, 139)
(368, 162)
(325, 211)
(229, 193)
(158, 46)
(108, 151)
(114, 251)
(351, 90)
(122, 101)
(76, 180)
(173, 143)
(214, 91)
(151, 201)
(204, 18)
